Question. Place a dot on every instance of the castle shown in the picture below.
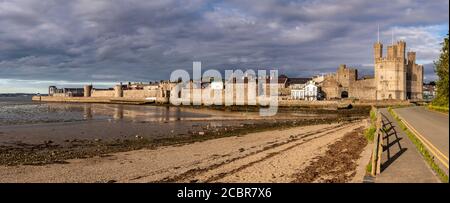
(396, 77)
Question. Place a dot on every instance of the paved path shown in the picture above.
(401, 161)
(433, 126)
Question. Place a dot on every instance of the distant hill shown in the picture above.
(18, 95)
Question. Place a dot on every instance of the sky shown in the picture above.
(71, 43)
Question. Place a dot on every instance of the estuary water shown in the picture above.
(26, 121)
(21, 110)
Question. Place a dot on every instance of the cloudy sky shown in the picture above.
(69, 43)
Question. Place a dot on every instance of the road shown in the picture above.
(433, 126)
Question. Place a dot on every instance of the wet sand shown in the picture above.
(31, 146)
(67, 142)
(277, 155)
(116, 128)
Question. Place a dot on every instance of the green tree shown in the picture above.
(441, 69)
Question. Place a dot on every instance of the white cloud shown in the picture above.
(425, 40)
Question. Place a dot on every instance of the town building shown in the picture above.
(294, 83)
(65, 92)
(429, 91)
(308, 91)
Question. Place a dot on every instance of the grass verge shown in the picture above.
(369, 133)
(422, 149)
(443, 109)
(369, 167)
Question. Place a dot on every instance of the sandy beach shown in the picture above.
(333, 152)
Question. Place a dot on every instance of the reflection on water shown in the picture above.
(23, 111)
(139, 113)
(118, 121)
(14, 111)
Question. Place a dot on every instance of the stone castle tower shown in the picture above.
(414, 78)
(397, 77)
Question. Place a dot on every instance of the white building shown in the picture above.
(298, 92)
(311, 91)
(308, 92)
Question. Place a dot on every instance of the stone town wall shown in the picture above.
(362, 89)
(331, 87)
(102, 93)
(59, 94)
(141, 94)
(307, 103)
(209, 96)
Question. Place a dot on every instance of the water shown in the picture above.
(26, 121)
(21, 110)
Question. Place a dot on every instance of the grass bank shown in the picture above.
(369, 133)
(443, 109)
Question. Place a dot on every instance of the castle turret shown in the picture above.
(346, 76)
(118, 92)
(378, 50)
(51, 90)
(401, 49)
(87, 90)
(415, 77)
(411, 57)
(419, 84)
(392, 52)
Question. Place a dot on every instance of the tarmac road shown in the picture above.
(433, 126)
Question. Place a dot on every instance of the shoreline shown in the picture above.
(53, 151)
(118, 133)
(331, 104)
(270, 155)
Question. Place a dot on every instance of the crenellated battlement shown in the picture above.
(394, 52)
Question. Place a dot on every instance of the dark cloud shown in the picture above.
(109, 41)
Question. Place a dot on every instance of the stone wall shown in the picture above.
(331, 87)
(102, 93)
(308, 103)
(414, 78)
(59, 94)
(141, 94)
(362, 89)
(346, 76)
(209, 96)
